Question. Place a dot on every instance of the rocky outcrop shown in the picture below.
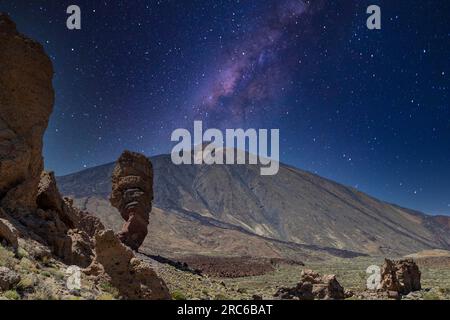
(31, 206)
(27, 195)
(67, 230)
(401, 277)
(117, 264)
(132, 195)
(313, 286)
(26, 102)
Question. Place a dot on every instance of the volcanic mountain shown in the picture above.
(233, 210)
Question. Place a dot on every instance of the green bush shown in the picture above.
(11, 295)
(108, 288)
(22, 253)
(27, 282)
(6, 258)
(106, 296)
(177, 295)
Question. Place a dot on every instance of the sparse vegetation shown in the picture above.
(6, 258)
(11, 295)
(351, 273)
(27, 283)
(22, 253)
(177, 295)
(43, 279)
(43, 293)
(106, 296)
(109, 290)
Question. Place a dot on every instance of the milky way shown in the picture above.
(256, 69)
(369, 109)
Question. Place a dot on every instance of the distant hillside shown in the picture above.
(293, 207)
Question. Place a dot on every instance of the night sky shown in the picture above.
(369, 109)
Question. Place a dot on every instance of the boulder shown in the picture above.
(8, 279)
(401, 276)
(313, 286)
(116, 263)
(132, 195)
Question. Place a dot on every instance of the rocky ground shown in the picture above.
(25, 277)
(351, 273)
(45, 278)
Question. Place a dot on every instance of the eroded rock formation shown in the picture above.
(132, 195)
(65, 229)
(31, 206)
(26, 102)
(313, 286)
(401, 276)
(116, 263)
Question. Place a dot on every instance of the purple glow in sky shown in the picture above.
(255, 71)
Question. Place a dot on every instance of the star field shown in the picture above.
(369, 109)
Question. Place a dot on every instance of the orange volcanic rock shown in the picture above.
(401, 276)
(116, 263)
(132, 195)
(26, 102)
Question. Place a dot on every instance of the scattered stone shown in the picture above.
(132, 195)
(393, 295)
(8, 279)
(401, 276)
(348, 294)
(313, 286)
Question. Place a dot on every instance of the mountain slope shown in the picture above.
(293, 206)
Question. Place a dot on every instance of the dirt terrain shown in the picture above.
(235, 267)
(351, 273)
